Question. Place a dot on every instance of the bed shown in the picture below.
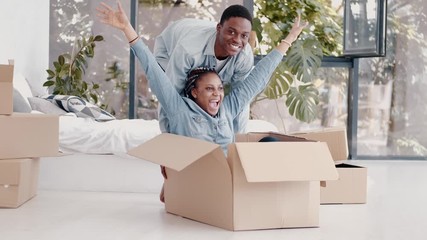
(93, 153)
(94, 156)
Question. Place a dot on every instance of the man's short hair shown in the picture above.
(235, 11)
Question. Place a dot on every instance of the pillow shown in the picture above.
(44, 106)
(80, 107)
(20, 104)
(21, 85)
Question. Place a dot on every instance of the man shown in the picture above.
(190, 43)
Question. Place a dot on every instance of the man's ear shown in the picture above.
(218, 27)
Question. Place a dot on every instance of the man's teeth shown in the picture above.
(235, 46)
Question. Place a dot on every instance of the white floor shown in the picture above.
(396, 209)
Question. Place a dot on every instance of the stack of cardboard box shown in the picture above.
(351, 187)
(24, 137)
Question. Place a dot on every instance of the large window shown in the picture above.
(391, 122)
(390, 110)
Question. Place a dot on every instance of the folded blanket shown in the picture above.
(80, 107)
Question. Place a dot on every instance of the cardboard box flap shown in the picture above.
(6, 73)
(257, 136)
(173, 151)
(336, 137)
(286, 161)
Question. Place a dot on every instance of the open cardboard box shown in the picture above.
(352, 184)
(18, 181)
(26, 135)
(257, 186)
(6, 88)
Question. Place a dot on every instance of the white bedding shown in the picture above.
(85, 135)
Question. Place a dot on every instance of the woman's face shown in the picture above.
(208, 93)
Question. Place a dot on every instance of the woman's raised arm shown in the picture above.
(118, 19)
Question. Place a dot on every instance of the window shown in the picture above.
(364, 28)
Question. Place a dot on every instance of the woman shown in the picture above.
(204, 113)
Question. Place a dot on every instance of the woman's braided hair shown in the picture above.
(193, 76)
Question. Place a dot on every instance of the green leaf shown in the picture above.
(48, 83)
(78, 74)
(94, 97)
(66, 66)
(302, 102)
(62, 73)
(98, 38)
(50, 73)
(61, 60)
(257, 27)
(279, 83)
(57, 66)
(304, 58)
(84, 84)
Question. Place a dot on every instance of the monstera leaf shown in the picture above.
(302, 102)
(279, 83)
(304, 58)
(301, 63)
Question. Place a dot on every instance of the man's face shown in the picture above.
(232, 36)
(208, 93)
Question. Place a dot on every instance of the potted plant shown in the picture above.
(66, 77)
(293, 78)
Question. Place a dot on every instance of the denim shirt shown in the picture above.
(186, 118)
(189, 43)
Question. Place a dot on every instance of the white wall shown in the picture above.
(24, 36)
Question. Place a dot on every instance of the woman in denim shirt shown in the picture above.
(205, 113)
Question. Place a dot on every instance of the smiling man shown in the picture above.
(187, 44)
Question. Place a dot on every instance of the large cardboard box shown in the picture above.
(6, 89)
(18, 181)
(24, 135)
(257, 186)
(351, 187)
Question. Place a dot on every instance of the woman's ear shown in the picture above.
(194, 93)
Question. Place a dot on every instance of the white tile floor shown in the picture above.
(396, 209)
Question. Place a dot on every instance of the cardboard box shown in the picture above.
(6, 89)
(18, 181)
(24, 135)
(258, 186)
(351, 187)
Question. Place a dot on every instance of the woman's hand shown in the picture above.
(108, 15)
(118, 19)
